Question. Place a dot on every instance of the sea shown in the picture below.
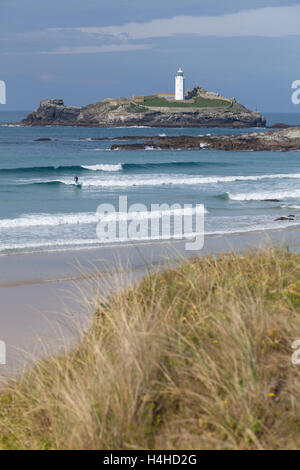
(42, 209)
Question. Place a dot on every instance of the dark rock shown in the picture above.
(52, 112)
(280, 125)
(271, 200)
(281, 140)
(123, 137)
(43, 139)
(283, 218)
(128, 146)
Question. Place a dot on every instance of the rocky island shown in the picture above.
(198, 109)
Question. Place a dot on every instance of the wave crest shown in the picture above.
(52, 220)
(265, 195)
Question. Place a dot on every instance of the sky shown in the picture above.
(85, 51)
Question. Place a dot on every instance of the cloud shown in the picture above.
(97, 49)
(64, 41)
(264, 22)
(261, 22)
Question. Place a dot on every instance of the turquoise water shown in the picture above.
(42, 209)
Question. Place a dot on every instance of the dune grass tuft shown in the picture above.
(196, 357)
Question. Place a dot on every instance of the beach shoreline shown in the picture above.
(41, 293)
(70, 264)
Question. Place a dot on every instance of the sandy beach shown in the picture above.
(42, 293)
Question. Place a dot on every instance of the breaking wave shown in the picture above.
(290, 206)
(263, 195)
(104, 167)
(108, 167)
(53, 220)
(160, 180)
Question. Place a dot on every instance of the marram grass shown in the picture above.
(198, 357)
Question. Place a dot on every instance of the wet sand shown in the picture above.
(41, 293)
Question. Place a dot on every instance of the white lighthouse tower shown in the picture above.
(179, 86)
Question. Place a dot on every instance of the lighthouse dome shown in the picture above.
(180, 73)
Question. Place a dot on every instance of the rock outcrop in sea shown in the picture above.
(277, 140)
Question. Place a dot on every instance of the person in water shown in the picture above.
(76, 179)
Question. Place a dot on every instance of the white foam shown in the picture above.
(52, 220)
(155, 214)
(103, 167)
(69, 244)
(63, 245)
(153, 180)
(10, 125)
(157, 180)
(47, 245)
(290, 206)
(265, 195)
(229, 179)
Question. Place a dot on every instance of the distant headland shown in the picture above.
(193, 108)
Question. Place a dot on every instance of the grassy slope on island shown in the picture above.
(197, 103)
(196, 357)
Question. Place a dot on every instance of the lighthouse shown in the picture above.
(179, 86)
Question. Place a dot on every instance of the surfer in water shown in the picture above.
(76, 179)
